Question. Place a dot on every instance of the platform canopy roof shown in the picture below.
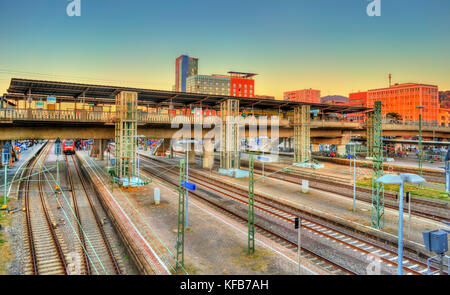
(102, 94)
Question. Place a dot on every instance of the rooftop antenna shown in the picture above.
(390, 79)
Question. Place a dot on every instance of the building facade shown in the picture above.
(444, 117)
(242, 84)
(304, 95)
(404, 100)
(357, 99)
(185, 67)
(235, 84)
(204, 84)
(444, 99)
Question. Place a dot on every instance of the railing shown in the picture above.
(56, 115)
(12, 114)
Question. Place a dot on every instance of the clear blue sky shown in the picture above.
(329, 45)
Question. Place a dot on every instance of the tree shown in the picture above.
(394, 117)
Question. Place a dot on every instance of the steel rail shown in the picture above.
(291, 220)
(97, 219)
(261, 228)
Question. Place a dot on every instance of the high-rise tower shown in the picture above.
(185, 66)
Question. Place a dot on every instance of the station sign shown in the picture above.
(51, 99)
(261, 158)
(190, 186)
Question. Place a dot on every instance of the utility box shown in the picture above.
(305, 186)
(435, 241)
(156, 195)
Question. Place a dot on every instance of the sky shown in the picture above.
(330, 45)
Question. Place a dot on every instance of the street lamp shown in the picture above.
(57, 153)
(354, 144)
(187, 178)
(420, 139)
(138, 174)
(447, 171)
(400, 180)
(6, 157)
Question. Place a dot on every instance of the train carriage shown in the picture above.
(68, 147)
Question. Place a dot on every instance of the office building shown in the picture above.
(304, 95)
(185, 67)
(404, 100)
(235, 84)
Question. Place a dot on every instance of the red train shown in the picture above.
(68, 147)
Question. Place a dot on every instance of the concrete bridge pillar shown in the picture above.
(103, 144)
(340, 149)
(230, 142)
(315, 148)
(208, 160)
(191, 158)
(302, 133)
(398, 146)
(208, 155)
(2, 142)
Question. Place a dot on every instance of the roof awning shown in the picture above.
(66, 91)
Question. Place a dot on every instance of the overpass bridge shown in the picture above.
(154, 116)
(31, 123)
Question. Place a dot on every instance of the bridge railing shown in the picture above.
(56, 115)
(10, 114)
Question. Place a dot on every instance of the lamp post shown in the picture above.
(6, 157)
(57, 153)
(447, 170)
(138, 161)
(187, 178)
(400, 180)
(420, 139)
(354, 144)
(298, 226)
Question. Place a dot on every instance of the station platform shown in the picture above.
(15, 170)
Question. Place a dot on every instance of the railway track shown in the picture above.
(432, 176)
(420, 207)
(98, 255)
(307, 253)
(44, 243)
(386, 256)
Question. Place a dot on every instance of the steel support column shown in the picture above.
(125, 134)
(251, 207)
(229, 152)
(377, 209)
(302, 139)
(369, 134)
(181, 208)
